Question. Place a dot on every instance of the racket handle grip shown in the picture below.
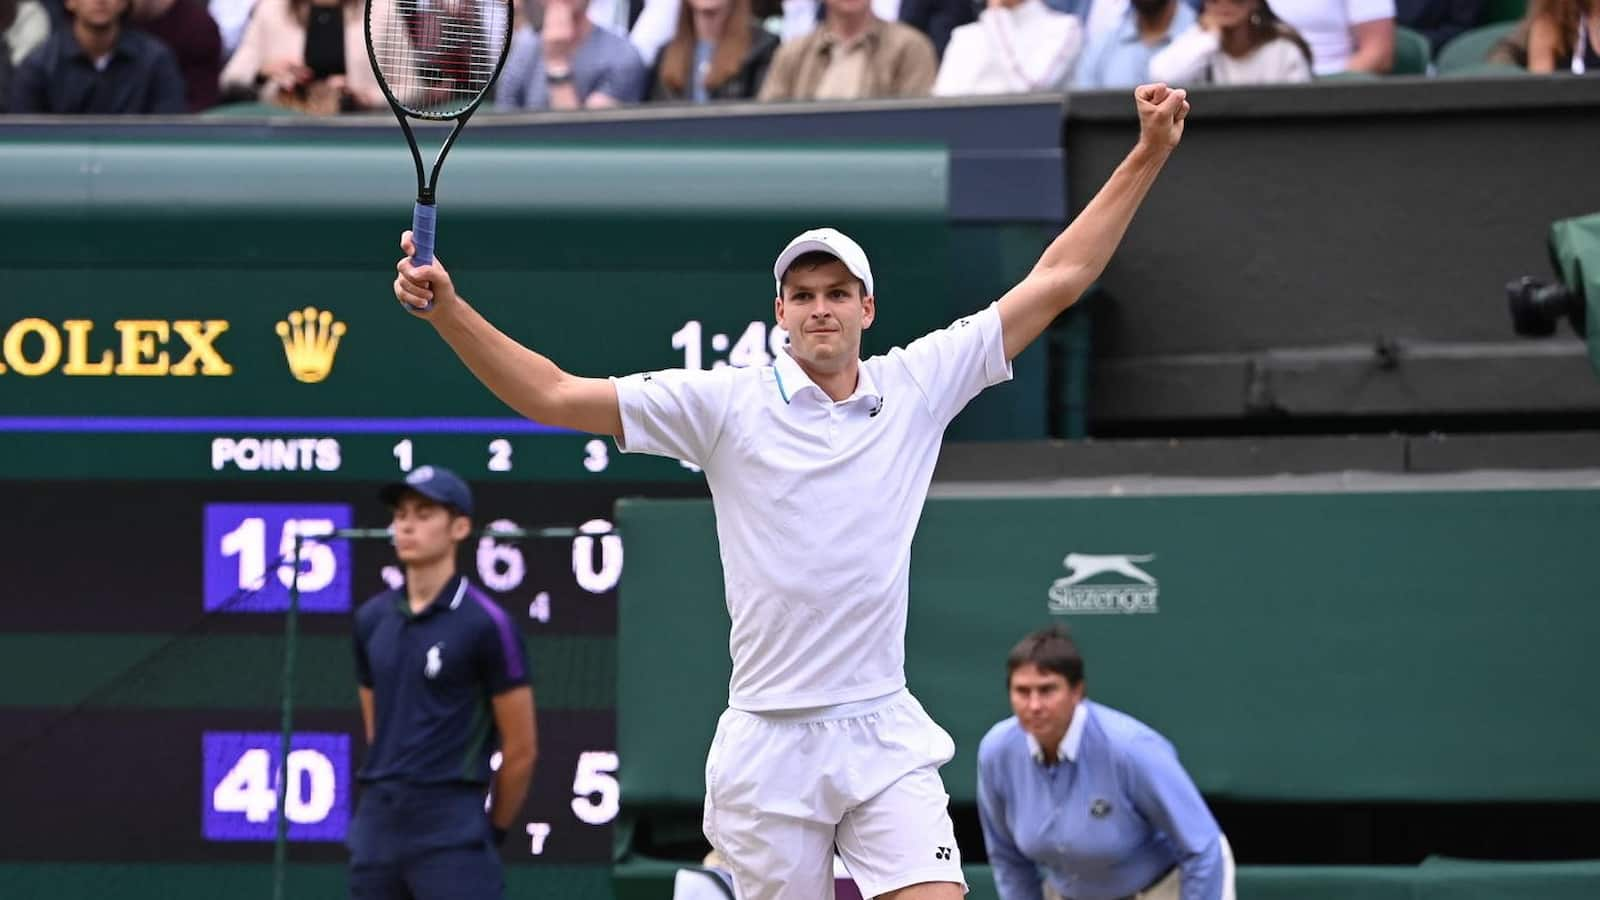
(423, 217)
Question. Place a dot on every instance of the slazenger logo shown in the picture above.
(1073, 595)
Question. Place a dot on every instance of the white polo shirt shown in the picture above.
(816, 502)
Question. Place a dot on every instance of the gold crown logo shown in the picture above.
(310, 340)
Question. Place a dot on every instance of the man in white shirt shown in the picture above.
(819, 466)
(1345, 35)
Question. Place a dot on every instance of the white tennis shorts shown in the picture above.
(784, 789)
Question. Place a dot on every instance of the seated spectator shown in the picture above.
(24, 24)
(1015, 47)
(1564, 36)
(935, 18)
(309, 55)
(853, 56)
(1120, 56)
(96, 66)
(188, 31)
(1235, 42)
(571, 63)
(1344, 35)
(232, 18)
(1438, 20)
(719, 53)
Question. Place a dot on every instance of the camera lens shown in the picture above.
(1538, 306)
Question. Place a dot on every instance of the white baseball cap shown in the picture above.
(832, 242)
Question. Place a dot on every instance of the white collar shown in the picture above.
(793, 380)
(1071, 742)
(1027, 12)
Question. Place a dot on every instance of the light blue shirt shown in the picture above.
(604, 63)
(1118, 58)
(1113, 815)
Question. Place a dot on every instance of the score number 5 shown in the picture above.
(597, 795)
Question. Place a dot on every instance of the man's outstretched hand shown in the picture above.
(1161, 113)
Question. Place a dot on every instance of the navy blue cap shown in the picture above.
(434, 482)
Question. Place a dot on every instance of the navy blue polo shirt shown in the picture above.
(433, 675)
(141, 76)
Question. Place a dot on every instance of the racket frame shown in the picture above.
(422, 219)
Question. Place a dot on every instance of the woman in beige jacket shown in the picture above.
(271, 58)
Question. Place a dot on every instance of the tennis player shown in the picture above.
(443, 679)
(819, 465)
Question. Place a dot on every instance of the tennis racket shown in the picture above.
(435, 61)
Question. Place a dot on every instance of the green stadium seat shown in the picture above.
(1488, 70)
(1472, 48)
(1411, 52)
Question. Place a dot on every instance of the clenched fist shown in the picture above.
(1161, 113)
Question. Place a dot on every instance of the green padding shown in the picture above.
(243, 881)
(1471, 48)
(1575, 249)
(193, 177)
(642, 878)
(1326, 882)
(1458, 879)
(650, 879)
(1310, 646)
(211, 671)
(672, 650)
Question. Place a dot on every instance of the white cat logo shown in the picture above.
(1070, 596)
(435, 661)
(1084, 566)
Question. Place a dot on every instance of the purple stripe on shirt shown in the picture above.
(508, 634)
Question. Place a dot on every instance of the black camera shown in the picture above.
(1538, 306)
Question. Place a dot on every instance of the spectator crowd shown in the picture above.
(184, 56)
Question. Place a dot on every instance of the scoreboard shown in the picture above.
(141, 721)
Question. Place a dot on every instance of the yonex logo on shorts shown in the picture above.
(941, 853)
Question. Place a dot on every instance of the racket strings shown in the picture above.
(437, 56)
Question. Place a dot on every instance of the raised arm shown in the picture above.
(525, 381)
(1078, 255)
